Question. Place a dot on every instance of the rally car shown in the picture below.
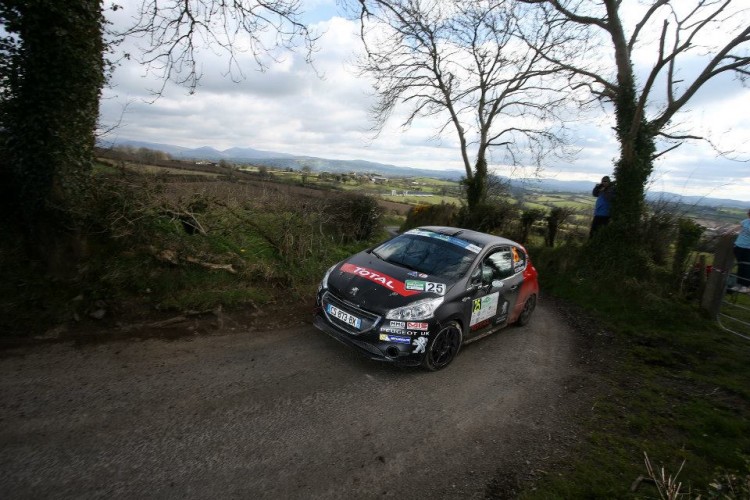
(418, 297)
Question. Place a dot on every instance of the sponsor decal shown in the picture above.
(381, 279)
(395, 339)
(398, 331)
(516, 257)
(501, 319)
(415, 285)
(484, 308)
(426, 286)
(503, 316)
(395, 331)
(397, 324)
(420, 344)
(518, 263)
(417, 326)
(450, 239)
(415, 274)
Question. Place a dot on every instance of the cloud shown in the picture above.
(323, 111)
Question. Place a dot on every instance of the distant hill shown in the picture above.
(285, 160)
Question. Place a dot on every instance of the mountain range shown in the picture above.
(285, 160)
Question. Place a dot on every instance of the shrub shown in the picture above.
(353, 217)
(528, 218)
(495, 216)
(688, 235)
(659, 231)
(556, 218)
(430, 215)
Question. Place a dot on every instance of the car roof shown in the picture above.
(481, 239)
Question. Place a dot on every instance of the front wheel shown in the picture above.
(528, 308)
(443, 347)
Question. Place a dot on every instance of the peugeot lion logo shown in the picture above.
(354, 291)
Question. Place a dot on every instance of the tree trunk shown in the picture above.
(49, 116)
(635, 164)
(476, 186)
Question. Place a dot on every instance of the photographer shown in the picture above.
(604, 192)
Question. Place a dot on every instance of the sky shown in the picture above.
(323, 111)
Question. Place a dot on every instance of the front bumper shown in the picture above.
(381, 342)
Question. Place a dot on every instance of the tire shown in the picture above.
(528, 309)
(443, 347)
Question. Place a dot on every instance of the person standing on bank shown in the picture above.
(604, 192)
(742, 254)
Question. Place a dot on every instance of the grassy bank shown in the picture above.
(671, 386)
(159, 246)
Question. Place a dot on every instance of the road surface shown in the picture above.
(279, 414)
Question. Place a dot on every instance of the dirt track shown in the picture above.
(282, 414)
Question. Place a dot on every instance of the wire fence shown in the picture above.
(734, 313)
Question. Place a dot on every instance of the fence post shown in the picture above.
(715, 286)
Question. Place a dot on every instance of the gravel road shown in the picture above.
(289, 413)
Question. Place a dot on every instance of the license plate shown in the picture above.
(344, 316)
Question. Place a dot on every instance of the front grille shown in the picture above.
(369, 320)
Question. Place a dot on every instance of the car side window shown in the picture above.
(501, 263)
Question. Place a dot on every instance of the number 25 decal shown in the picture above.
(438, 288)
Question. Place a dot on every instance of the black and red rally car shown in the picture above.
(418, 297)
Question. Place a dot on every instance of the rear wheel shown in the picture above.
(528, 309)
(443, 348)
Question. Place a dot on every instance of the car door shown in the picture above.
(495, 282)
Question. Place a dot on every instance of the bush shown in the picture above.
(528, 218)
(688, 235)
(495, 216)
(659, 231)
(353, 217)
(430, 215)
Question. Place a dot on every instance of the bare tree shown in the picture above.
(714, 34)
(174, 31)
(463, 64)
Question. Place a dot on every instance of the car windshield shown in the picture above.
(429, 253)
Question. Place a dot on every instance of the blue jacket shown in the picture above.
(604, 197)
(743, 238)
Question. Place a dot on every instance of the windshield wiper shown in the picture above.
(376, 254)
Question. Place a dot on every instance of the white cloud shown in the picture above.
(290, 109)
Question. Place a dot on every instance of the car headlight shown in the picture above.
(421, 309)
(324, 281)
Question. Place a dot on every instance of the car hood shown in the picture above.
(377, 286)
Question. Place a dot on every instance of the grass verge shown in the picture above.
(672, 385)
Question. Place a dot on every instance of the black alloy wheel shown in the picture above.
(444, 347)
(528, 308)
